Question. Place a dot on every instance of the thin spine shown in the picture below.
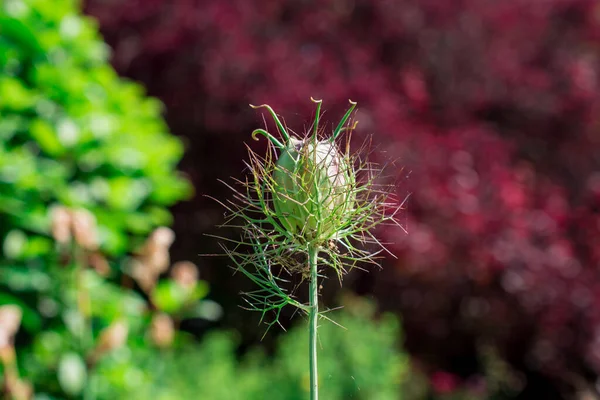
(313, 256)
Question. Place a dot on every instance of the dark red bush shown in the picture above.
(493, 107)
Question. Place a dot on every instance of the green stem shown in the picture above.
(313, 254)
(84, 306)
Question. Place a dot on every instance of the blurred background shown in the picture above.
(119, 117)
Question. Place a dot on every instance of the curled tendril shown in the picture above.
(280, 126)
(266, 134)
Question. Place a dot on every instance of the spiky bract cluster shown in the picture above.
(313, 189)
(311, 195)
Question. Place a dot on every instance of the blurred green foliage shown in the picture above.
(359, 361)
(73, 132)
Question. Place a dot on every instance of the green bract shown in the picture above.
(312, 184)
(313, 188)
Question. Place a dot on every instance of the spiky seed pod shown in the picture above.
(296, 211)
(306, 207)
(313, 192)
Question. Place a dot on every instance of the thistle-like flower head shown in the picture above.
(305, 193)
(312, 188)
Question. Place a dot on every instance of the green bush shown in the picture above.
(358, 362)
(73, 132)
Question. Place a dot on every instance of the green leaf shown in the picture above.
(167, 190)
(46, 137)
(159, 216)
(110, 301)
(48, 347)
(139, 223)
(15, 244)
(206, 309)
(19, 32)
(127, 193)
(72, 374)
(170, 297)
(14, 95)
(38, 246)
(20, 278)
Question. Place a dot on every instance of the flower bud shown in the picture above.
(158, 260)
(313, 188)
(112, 337)
(142, 274)
(21, 390)
(85, 229)
(155, 251)
(10, 320)
(185, 273)
(100, 264)
(61, 224)
(163, 237)
(162, 330)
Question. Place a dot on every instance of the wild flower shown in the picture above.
(310, 208)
